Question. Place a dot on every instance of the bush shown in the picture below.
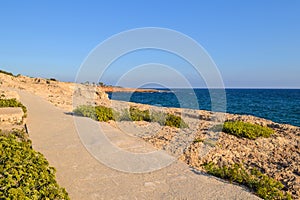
(25, 173)
(13, 103)
(7, 73)
(98, 113)
(101, 113)
(48, 81)
(20, 135)
(164, 119)
(159, 117)
(175, 121)
(86, 111)
(246, 130)
(264, 186)
(139, 115)
(104, 114)
(124, 116)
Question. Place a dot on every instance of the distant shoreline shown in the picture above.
(125, 89)
(121, 89)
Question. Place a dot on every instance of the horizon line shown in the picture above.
(284, 88)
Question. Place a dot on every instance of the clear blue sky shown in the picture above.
(255, 43)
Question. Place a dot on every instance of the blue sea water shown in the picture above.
(278, 105)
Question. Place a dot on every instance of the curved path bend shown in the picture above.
(54, 134)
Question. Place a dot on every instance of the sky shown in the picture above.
(253, 43)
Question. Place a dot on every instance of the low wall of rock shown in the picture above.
(11, 115)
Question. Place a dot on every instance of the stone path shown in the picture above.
(54, 134)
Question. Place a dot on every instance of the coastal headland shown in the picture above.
(276, 157)
(121, 89)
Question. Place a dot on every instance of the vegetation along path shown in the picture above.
(53, 133)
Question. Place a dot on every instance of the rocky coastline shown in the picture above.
(277, 156)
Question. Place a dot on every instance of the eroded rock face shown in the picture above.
(6, 94)
(88, 95)
(11, 115)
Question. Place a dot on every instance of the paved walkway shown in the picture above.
(54, 134)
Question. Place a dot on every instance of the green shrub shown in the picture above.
(20, 135)
(86, 111)
(104, 114)
(159, 117)
(175, 121)
(98, 113)
(264, 186)
(25, 173)
(246, 130)
(167, 119)
(124, 116)
(13, 103)
(164, 119)
(139, 115)
(101, 113)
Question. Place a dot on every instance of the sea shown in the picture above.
(278, 105)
